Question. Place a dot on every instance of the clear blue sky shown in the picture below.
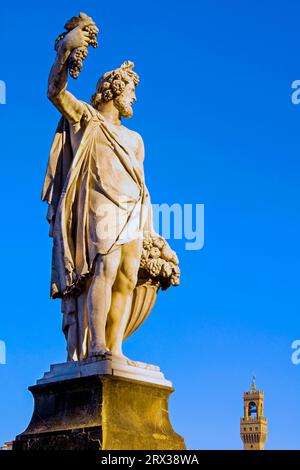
(215, 112)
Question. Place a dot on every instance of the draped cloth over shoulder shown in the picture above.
(94, 187)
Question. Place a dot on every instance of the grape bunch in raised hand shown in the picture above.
(79, 54)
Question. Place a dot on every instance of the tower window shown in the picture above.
(252, 409)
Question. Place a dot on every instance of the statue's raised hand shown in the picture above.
(76, 38)
(81, 33)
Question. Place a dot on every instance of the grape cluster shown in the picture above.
(93, 31)
(154, 266)
(75, 61)
(159, 262)
(78, 55)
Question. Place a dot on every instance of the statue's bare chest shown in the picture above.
(128, 138)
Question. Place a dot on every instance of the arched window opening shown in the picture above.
(252, 410)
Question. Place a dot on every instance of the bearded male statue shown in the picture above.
(100, 214)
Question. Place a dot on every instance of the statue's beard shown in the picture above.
(124, 106)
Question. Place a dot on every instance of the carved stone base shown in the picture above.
(100, 412)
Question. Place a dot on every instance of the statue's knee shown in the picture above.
(106, 268)
(104, 271)
(131, 283)
(126, 283)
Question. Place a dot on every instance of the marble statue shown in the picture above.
(107, 262)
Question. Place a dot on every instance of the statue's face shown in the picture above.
(124, 101)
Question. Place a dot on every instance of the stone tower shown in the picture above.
(254, 424)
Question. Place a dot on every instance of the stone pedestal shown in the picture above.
(101, 405)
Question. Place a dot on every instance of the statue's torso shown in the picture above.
(115, 172)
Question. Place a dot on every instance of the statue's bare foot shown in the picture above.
(100, 352)
(119, 356)
(130, 362)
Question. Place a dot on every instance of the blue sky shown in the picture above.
(214, 108)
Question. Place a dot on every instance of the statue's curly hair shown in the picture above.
(112, 83)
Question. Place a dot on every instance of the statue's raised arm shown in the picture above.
(71, 49)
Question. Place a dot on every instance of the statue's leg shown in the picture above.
(121, 296)
(99, 299)
(83, 323)
(69, 327)
(72, 342)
